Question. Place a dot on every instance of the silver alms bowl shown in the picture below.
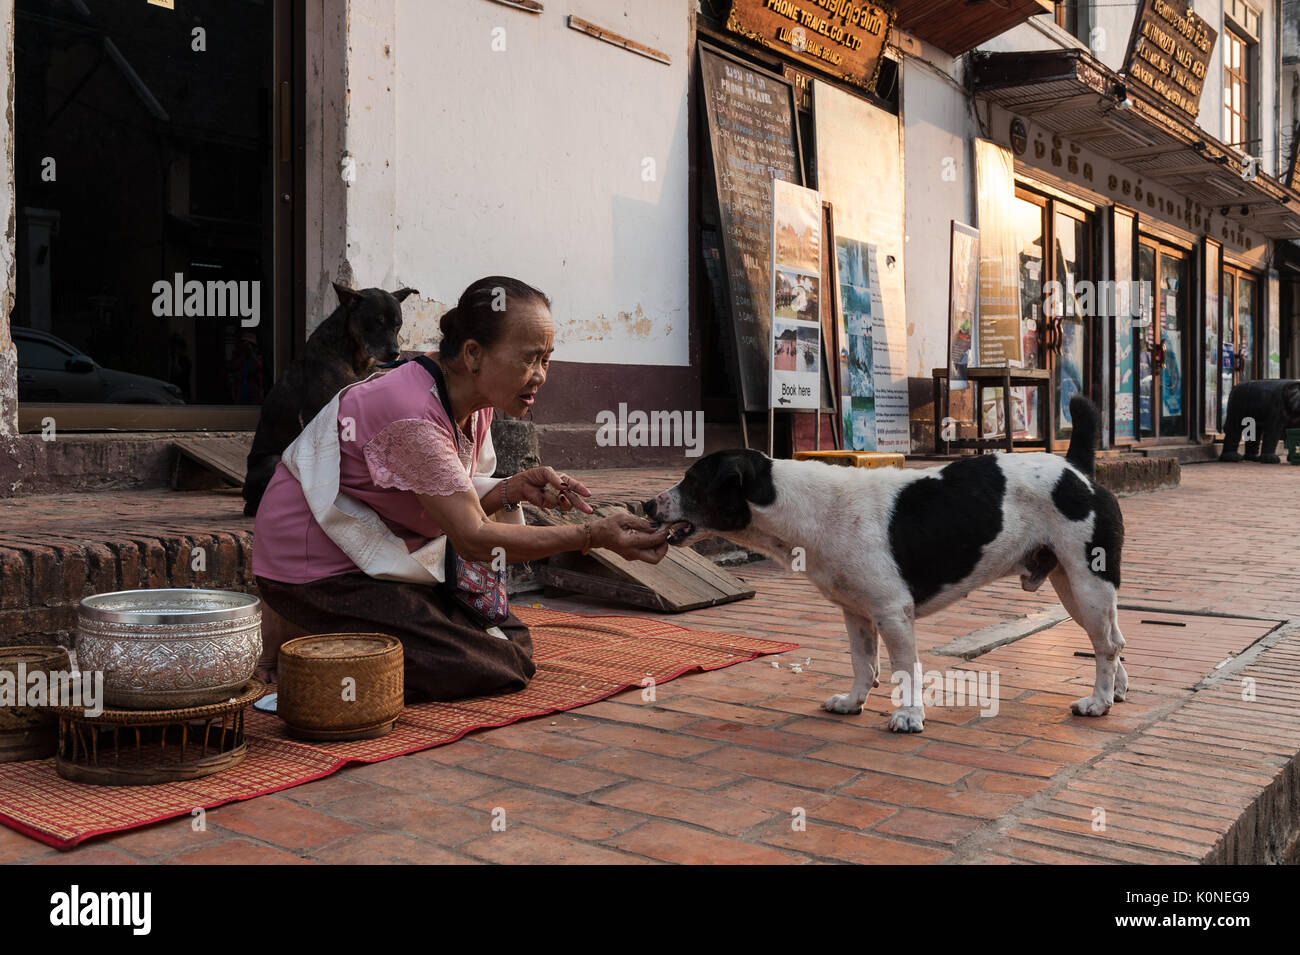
(165, 649)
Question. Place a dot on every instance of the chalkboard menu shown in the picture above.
(752, 128)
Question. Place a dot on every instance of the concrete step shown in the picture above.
(1183, 453)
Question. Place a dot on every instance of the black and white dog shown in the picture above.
(889, 545)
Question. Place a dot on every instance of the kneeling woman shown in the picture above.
(353, 532)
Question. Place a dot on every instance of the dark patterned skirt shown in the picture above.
(448, 656)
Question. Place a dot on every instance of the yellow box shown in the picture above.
(854, 459)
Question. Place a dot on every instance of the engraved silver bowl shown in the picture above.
(163, 649)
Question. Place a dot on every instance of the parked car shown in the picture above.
(49, 369)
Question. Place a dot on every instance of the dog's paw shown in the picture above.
(1269, 459)
(907, 719)
(1230, 456)
(1090, 706)
(842, 703)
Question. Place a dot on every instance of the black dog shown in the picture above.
(1274, 404)
(345, 348)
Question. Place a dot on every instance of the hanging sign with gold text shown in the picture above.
(1169, 54)
(842, 37)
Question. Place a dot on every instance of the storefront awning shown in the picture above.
(956, 26)
(1070, 93)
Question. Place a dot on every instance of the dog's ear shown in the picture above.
(401, 293)
(347, 296)
(731, 476)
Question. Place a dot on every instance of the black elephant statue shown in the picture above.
(1273, 405)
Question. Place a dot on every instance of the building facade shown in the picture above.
(186, 179)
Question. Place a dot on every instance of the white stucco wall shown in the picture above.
(560, 160)
(937, 131)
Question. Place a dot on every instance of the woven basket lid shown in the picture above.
(336, 646)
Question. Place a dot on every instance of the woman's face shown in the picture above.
(515, 367)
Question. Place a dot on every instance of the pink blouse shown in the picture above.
(395, 441)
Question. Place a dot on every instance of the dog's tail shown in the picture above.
(1086, 421)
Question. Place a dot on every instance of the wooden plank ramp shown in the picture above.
(210, 461)
(683, 580)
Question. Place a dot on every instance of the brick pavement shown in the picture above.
(741, 765)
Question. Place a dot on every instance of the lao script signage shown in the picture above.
(1169, 54)
(843, 37)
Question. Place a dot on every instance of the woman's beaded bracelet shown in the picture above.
(505, 501)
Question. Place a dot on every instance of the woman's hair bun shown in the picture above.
(480, 310)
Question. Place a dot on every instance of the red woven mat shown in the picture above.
(580, 660)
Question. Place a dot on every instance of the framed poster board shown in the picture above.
(859, 307)
(796, 297)
(998, 340)
(755, 139)
(963, 301)
(830, 312)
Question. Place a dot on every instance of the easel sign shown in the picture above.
(796, 370)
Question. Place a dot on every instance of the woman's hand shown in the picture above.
(545, 487)
(631, 537)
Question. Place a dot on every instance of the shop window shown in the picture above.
(146, 209)
(1067, 16)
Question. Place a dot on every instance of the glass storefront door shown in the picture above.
(1246, 325)
(1070, 240)
(1053, 309)
(1163, 341)
(1172, 309)
(1028, 223)
(1228, 338)
(1239, 332)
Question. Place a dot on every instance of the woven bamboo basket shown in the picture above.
(340, 686)
(29, 732)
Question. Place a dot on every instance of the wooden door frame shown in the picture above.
(1088, 273)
